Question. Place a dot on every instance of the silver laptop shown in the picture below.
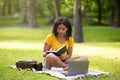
(77, 67)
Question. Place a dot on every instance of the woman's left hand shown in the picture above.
(64, 57)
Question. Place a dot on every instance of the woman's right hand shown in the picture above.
(44, 54)
(64, 57)
(51, 49)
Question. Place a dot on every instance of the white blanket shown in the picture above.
(57, 72)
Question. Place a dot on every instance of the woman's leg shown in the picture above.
(81, 58)
(53, 60)
(78, 58)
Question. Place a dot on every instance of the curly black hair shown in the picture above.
(64, 21)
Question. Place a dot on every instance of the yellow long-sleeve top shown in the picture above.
(55, 44)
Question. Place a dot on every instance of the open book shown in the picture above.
(59, 52)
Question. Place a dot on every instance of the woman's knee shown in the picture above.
(81, 58)
(84, 58)
(49, 60)
(50, 57)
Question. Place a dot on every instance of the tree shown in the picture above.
(117, 17)
(99, 12)
(9, 5)
(32, 14)
(24, 10)
(56, 8)
(4, 8)
(17, 6)
(78, 33)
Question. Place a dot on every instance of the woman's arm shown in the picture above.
(45, 48)
(69, 54)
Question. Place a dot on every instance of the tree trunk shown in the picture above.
(56, 8)
(24, 12)
(99, 12)
(9, 5)
(117, 16)
(78, 32)
(32, 14)
(25, 16)
(17, 6)
(4, 8)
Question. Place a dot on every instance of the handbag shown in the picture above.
(23, 64)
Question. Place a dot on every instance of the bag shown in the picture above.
(29, 64)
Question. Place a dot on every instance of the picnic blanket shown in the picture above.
(57, 72)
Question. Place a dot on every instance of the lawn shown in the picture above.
(102, 46)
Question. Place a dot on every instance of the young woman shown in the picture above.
(61, 35)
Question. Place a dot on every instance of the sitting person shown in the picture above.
(61, 35)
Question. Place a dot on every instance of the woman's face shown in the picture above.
(61, 29)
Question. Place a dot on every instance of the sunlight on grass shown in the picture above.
(94, 50)
(10, 45)
(81, 49)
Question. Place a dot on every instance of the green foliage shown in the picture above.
(66, 8)
(45, 10)
(8, 21)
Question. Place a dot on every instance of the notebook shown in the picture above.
(77, 67)
(59, 52)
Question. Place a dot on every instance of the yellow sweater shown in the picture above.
(55, 44)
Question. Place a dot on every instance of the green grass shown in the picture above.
(102, 46)
(104, 34)
(91, 34)
(24, 35)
